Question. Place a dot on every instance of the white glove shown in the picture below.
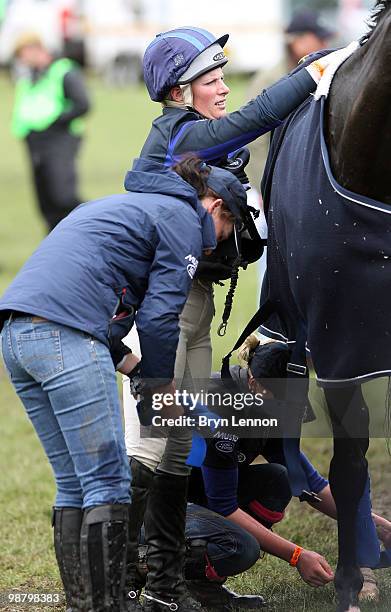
(323, 69)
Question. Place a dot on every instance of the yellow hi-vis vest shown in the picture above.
(39, 104)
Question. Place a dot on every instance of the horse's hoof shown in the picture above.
(369, 591)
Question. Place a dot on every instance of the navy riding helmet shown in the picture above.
(178, 57)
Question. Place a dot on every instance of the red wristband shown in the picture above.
(296, 556)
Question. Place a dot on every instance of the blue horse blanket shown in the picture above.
(329, 256)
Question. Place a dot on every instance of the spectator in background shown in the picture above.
(303, 35)
(3, 9)
(73, 45)
(50, 99)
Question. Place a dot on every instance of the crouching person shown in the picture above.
(107, 260)
(212, 548)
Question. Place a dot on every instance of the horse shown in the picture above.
(327, 185)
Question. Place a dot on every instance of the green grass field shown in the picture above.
(116, 130)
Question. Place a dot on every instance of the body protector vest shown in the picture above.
(38, 104)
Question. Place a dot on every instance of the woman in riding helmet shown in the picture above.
(183, 70)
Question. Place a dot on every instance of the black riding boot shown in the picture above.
(165, 521)
(67, 523)
(136, 573)
(103, 545)
(211, 592)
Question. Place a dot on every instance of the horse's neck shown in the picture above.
(358, 126)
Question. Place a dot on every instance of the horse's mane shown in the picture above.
(380, 10)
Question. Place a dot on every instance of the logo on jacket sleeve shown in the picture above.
(192, 265)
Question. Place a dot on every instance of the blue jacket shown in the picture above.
(147, 242)
(178, 131)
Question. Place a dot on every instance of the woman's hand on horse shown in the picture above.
(314, 569)
(328, 64)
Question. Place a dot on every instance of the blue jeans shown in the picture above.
(230, 548)
(67, 384)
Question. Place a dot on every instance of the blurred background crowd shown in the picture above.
(107, 40)
(110, 38)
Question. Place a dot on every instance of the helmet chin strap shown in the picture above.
(187, 96)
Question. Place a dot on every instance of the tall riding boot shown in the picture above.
(103, 545)
(207, 587)
(67, 523)
(136, 574)
(165, 521)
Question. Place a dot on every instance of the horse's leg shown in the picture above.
(348, 475)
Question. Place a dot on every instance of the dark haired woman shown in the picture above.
(254, 497)
(116, 256)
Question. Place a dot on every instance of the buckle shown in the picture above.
(309, 496)
(171, 606)
(296, 368)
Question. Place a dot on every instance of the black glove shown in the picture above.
(118, 352)
(144, 406)
(236, 164)
(135, 380)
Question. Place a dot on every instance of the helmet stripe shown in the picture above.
(205, 33)
(190, 39)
